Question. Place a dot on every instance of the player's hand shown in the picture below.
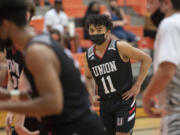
(94, 99)
(21, 130)
(133, 92)
(8, 122)
(4, 94)
(149, 104)
(28, 132)
(91, 100)
(95, 102)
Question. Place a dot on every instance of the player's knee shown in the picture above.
(121, 133)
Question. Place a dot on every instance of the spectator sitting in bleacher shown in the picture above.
(153, 20)
(150, 29)
(159, 14)
(119, 21)
(93, 9)
(56, 18)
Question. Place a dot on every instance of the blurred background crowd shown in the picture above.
(135, 21)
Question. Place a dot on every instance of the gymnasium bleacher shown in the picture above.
(76, 9)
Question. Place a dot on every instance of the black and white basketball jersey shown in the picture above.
(76, 102)
(110, 73)
(15, 65)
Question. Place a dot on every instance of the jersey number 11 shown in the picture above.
(112, 89)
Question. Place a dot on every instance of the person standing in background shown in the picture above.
(165, 82)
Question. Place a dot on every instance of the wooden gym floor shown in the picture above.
(144, 125)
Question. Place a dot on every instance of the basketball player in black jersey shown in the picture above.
(59, 96)
(16, 80)
(108, 62)
(15, 62)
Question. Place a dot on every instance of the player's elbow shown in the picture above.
(18, 128)
(58, 104)
(57, 108)
(53, 107)
(147, 59)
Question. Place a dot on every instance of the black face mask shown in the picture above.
(95, 12)
(6, 43)
(98, 39)
(113, 8)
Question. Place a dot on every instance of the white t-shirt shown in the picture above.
(167, 45)
(167, 49)
(55, 20)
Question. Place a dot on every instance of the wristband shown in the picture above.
(15, 94)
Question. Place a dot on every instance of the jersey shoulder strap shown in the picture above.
(90, 52)
(112, 45)
(43, 38)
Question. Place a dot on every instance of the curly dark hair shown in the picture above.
(176, 4)
(13, 10)
(98, 20)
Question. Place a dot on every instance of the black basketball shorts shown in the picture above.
(32, 124)
(91, 125)
(118, 116)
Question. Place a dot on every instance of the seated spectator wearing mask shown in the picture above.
(119, 21)
(154, 19)
(93, 9)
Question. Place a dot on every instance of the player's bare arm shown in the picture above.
(89, 81)
(20, 119)
(10, 116)
(19, 126)
(8, 94)
(45, 69)
(3, 71)
(3, 66)
(159, 82)
(23, 86)
(5, 93)
(128, 52)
